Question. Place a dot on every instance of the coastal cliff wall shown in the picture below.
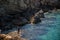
(24, 4)
(18, 12)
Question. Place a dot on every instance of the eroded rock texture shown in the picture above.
(19, 12)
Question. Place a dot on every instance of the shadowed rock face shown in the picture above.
(19, 5)
(36, 20)
(18, 12)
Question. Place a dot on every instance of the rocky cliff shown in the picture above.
(24, 4)
(19, 12)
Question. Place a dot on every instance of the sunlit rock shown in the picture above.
(8, 37)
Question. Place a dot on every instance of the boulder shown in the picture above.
(36, 20)
(8, 37)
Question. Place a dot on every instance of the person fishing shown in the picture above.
(18, 30)
(0, 31)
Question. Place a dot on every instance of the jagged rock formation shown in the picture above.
(19, 12)
(12, 36)
(19, 5)
(8, 37)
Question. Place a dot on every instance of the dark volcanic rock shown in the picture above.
(19, 12)
(37, 20)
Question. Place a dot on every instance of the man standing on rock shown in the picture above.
(0, 31)
(18, 30)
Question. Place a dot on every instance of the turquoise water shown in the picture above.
(48, 29)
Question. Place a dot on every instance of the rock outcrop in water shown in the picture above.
(36, 18)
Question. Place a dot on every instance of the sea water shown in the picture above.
(48, 29)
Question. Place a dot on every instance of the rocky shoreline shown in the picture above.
(9, 37)
(14, 18)
(14, 14)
